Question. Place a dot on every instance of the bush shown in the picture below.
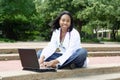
(18, 28)
(6, 40)
(94, 40)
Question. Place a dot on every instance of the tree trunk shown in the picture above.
(113, 35)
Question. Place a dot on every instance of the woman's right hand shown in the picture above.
(41, 61)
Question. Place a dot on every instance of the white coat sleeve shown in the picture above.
(51, 48)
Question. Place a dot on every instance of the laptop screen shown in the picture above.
(28, 58)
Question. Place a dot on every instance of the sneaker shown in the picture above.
(71, 66)
(86, 63)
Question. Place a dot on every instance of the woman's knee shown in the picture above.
(82, 51)
(85, 51)
(82, 55)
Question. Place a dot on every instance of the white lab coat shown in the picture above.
(70, 44)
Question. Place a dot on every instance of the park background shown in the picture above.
(28, 20)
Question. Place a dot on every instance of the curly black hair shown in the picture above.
(55, 24)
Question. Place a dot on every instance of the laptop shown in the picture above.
(30, 62)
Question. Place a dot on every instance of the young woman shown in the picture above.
(67, 39)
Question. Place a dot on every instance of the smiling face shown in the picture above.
(65, 22)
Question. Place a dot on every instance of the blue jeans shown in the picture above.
(77, 58)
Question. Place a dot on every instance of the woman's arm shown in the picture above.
(51, 48)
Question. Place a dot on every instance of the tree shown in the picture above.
(100, 13)
(15, 19)
(48, 10)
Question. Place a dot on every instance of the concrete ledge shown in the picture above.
(104, 53)
(94, 49)
(5, 57)
(90, 49)
(13, 50)
(91, 70)
(6, 51)
(108, 76)
(15, 56)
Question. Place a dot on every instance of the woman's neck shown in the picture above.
(64, 31)
(62, 35)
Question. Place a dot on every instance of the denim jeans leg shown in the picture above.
(79, 61)
(53, 56)
(77, 58)
(39, 53)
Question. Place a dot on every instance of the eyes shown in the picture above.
(65, 18)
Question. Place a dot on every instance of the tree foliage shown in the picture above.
(25, 19)
(48, 10)
(98, 14)
(15, 17)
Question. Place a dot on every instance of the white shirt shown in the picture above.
(70, 44)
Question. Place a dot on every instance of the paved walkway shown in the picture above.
(12, 65)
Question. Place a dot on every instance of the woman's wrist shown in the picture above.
(41, 60)
(55, 63)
